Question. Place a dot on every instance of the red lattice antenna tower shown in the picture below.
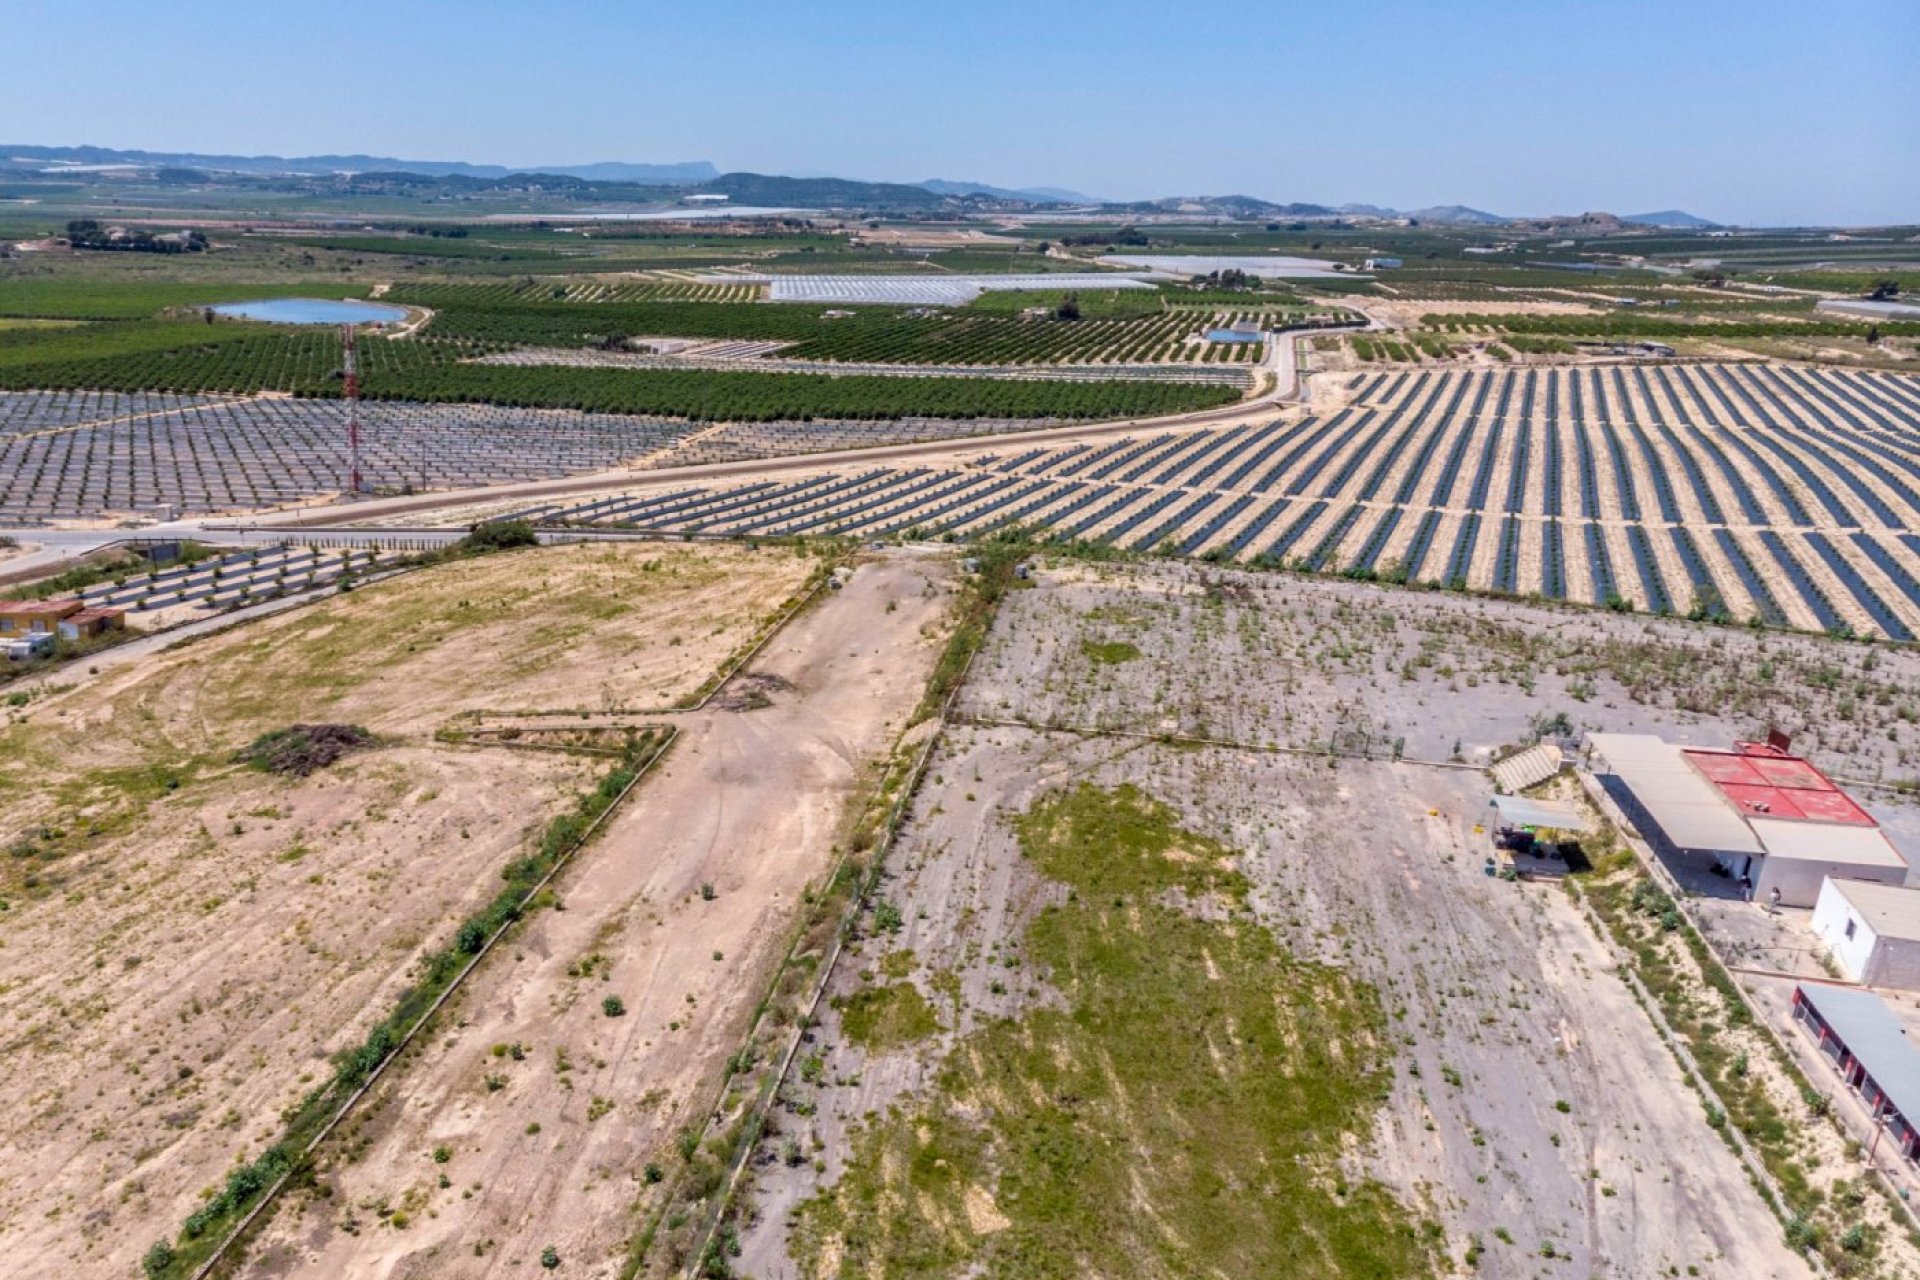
(352, 391)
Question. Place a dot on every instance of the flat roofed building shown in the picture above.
(1866, 1044)
(1872, 930)
(1771, 820)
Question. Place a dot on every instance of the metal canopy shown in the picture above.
(1518, 811)
(1875, 1037)
(1689, 810)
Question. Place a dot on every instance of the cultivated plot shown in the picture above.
(190, 939)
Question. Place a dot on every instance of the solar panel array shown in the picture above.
(1783, 494)
(207, 454)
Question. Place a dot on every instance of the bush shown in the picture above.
(497, 535)
(159, 1257)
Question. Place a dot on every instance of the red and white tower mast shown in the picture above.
(352, 390)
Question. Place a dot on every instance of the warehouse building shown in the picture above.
(1872, 931)
(1866, 1044)
(1766, 819)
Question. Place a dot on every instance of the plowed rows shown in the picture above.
(1784, 494)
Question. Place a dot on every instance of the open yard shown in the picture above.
(189, 938)
(1128, 1005)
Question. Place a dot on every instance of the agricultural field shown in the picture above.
(1778, 495)
(1104, 972)
(579, 1061)
(196, 943)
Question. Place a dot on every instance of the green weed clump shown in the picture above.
(1181, 1109)
(884, 1017)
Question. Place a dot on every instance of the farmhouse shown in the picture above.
(1873, 931)
(1764, 818)
(25, 617)
(1866, 1044)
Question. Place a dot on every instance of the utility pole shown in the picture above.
(355, 484)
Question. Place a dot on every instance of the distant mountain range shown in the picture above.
(98, 157)
(1038, 195)
(658, 181)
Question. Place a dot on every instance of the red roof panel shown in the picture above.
(1766, 784)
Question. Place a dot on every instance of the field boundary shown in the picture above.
(271, 1195)
(857, 903)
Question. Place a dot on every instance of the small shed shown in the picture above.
(1873, 931)
(91, 621)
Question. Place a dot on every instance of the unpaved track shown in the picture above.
(750, 802)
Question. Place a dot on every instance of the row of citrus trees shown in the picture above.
(185, 357)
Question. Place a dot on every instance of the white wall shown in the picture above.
(1799, 879)
(1831, 913)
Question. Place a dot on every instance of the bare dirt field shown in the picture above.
(530, 1121)
(972, 1098)
(188, 938)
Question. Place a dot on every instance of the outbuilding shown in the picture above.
(1867, 1045)
(92, 621)
(1872, 931)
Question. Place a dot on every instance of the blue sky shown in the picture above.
(1758, 111)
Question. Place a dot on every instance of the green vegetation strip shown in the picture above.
(225, 1217)
(190, 357)
(1188, 1108)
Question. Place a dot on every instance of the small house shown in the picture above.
(1872, 930)
(29, 617)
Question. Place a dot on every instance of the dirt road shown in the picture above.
(548, 1148)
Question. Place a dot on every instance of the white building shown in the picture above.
(1768, 819)
(1873, 931)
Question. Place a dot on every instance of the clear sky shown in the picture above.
(1755, 111)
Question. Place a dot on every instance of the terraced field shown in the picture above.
(1775, 493)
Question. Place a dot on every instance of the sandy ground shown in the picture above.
(197, 936)
(1375, 866)
(749, 801)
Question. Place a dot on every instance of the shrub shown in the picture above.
(302, 748)
(497, 535)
